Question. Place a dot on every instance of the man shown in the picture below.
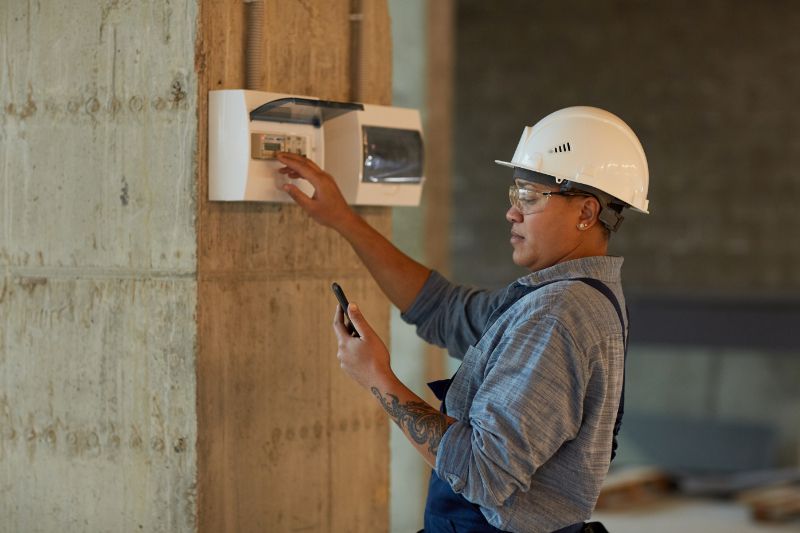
(525, 435)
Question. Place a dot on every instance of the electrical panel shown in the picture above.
(375, 153)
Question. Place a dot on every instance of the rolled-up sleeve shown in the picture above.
(529, 404)
(449, 315)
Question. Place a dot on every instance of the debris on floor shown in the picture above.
(773, 504)
(634, 487)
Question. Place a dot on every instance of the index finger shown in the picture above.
(297, 162)
(338, 323)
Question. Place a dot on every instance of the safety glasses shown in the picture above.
(528, 200)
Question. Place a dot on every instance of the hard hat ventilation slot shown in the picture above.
(563, 148)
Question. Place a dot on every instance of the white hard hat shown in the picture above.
(586, 146)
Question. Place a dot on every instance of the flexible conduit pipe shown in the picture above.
(356, 50)
(253, 55)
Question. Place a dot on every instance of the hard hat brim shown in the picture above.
(512, 165)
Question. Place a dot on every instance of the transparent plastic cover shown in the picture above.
(302, 110)
(392, 155)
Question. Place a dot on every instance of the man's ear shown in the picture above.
(590, 210)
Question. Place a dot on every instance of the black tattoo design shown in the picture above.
(420, 421)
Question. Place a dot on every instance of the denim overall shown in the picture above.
(448, 512)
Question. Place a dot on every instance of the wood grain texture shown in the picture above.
(286, 441)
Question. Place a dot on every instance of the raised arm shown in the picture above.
(398, 276)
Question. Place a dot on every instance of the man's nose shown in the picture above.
(513, 215)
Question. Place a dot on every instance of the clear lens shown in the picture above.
(527, 201)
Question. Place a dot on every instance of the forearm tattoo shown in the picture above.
(423, 423)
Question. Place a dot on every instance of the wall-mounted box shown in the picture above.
(375, 153)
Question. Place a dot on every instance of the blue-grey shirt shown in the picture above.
(536, 396)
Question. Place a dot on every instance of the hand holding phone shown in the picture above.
(337, 290)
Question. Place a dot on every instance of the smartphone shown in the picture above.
(337, 290)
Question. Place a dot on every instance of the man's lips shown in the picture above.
(516, 237)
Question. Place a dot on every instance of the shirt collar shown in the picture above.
(605, 268)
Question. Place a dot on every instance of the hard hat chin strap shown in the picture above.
(610, 218)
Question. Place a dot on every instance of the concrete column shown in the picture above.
(167, 364)
(97, 257)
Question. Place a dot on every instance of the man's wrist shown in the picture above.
(348, 223)
(385, 380)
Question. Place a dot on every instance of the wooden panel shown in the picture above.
(286, 442)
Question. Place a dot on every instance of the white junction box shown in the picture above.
(375, 153)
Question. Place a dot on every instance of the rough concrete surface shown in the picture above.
(97, 253)
(97, 406)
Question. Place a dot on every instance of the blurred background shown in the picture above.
(711, 275)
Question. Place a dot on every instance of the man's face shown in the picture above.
(548, 236)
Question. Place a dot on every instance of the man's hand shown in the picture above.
(364, 358)
(399, 276)
(327, 206)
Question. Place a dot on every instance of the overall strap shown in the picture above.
(603, 288)
(515, 292)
